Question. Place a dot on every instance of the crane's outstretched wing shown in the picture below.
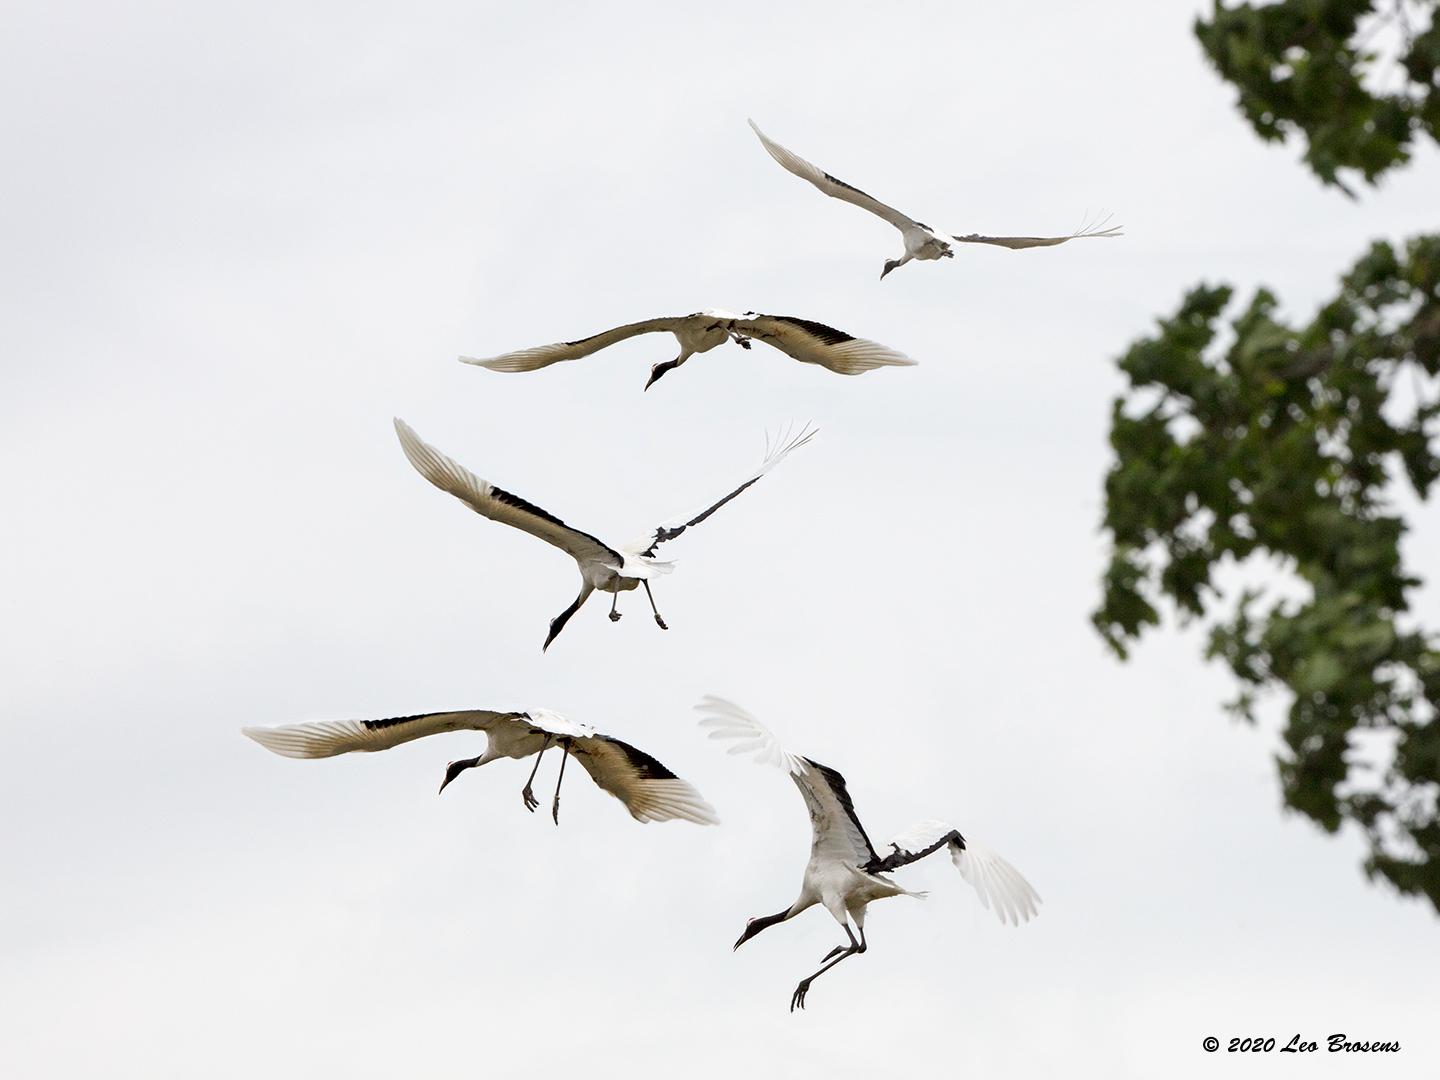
(830, 185)
(648, 544)
(495, 503)
(836, 830)
(816, 343)
(994, 880)
(649, 790)
(545, 355)
(326, 738)
(1017, 243)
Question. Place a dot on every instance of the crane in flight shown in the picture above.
(845, 872)
(603, 567)
(921, 241)
(649, 790)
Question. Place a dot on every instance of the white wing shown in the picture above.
(649, 790)
(499, 505)
(326, 738)
(994, 880)
(836, 830)
(545, 355)
(1017, 243)
(726, 720)
(648, 544)
(830, 185)
(816, 343)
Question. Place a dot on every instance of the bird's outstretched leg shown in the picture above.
(797, 999)
(659, 621)
(527, 793)
(838, 949)
(614, 599)
(564, 756)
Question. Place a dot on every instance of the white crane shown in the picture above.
(845, 872)
(921, 241)
(801, 339)
(649, 790)
(601, 566)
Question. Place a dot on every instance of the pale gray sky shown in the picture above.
(240, 237)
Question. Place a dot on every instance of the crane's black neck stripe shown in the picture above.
(645, 766)
(828, 334)
(842, 795)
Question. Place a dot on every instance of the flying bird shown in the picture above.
(649, 790)
(845, 872)
(601, 566)
(921, 241)
(800, 339)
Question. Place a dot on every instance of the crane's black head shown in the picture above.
(455, 768)
(657, 372)
(890, 264)
(761, 922)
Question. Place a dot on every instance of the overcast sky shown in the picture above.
(239, 238)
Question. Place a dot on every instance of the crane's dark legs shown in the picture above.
(564, 756)
(527, 793)
(614, 599)
(797, 999)
(658, 619)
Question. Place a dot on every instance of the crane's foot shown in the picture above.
(528, 796)
(660, 622)
(797, 999)
(555, 810)
(614, 616)
(743, 342)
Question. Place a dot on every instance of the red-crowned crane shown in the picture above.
(801, 339)
(649, 790)
(602, 567)
(845, 872)
(921, 241)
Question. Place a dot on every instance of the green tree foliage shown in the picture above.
(1290, 442)
(1356, 77)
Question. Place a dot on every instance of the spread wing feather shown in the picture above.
(998, 884)
(816, 343)
(326, 738)
(545, 355)
(648, 544)
(649, 790)
(836, 830)
(831, 185)
(492, 502)
(1018, 243)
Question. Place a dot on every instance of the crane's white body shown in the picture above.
(845, 873)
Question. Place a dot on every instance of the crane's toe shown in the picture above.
(660, 622)
(528, 797)
(797, 999)
(614, 616)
